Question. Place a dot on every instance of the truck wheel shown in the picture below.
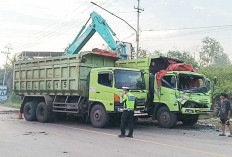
(98, 116)
(190, 120)
(29, 111)
(166, 118)
(43, 114)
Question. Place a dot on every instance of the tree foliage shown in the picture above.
(222, 60)
(223, 74)
(142, 54)
(211, 52)
(184, 56)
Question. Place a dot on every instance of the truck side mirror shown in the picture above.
(215, 80)
(110, 77)
(207, 84)
(214, 83)
(173, 80)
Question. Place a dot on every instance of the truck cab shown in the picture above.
(180, 95)
(106, 86)
(184, 93)
(105, 89)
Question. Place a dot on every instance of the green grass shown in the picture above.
(11, 104)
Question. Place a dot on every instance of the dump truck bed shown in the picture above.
(65, 75)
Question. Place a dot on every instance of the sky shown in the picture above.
(48, 25)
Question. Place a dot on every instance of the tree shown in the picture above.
(158, 53)
(210, 50)
(221, 60)
(223, 74)
(142, 54)
(184, 56)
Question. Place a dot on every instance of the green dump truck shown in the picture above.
(175, 98)
(87, 84)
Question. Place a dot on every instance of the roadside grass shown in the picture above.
(13, 101)
(12, 104)
(209, 119)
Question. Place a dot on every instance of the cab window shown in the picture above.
(104, 79)
(169, 82)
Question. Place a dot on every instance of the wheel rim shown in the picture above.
(28, 111)
(41, 111)
(97, 116)
(165, 117)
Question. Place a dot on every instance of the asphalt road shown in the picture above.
(19, 138)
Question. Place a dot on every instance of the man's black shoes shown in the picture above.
(121, 136)
(130, 136)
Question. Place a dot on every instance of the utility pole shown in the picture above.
(137, 32)
(8, 47)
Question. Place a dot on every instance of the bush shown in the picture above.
(14, 98)
(224, 78)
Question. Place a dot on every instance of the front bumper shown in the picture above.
(195, 110)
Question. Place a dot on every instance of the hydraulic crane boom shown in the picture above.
(98, 25)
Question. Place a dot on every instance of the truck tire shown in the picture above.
(190, 120)
(29, 111)
(43, 114)
(98, 116)
(166, 118)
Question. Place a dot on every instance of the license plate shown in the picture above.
(137, 112)
(204, 109)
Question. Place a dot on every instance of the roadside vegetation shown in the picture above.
(13, 101)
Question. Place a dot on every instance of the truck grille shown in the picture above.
(140, 102)
(190, 104)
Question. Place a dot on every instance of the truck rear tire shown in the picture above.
(166, 118)
(190, 120)
(98, 116)
(43, 113)
(29, 111)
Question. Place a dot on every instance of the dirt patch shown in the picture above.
(35, 133)
(9, 111)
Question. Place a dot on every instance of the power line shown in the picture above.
(50, 31)
(187, 28)
(128, 36)
(186, 34)
(59, 30)
(37, 34)
(124, 12)
(62, 27)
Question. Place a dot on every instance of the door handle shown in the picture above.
(97, 92)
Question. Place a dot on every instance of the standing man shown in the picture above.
(225, 114)
(128, 100)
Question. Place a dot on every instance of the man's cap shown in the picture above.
(125, 88)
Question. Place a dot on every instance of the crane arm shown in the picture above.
(98, 25)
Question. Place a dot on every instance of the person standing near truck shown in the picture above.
(128, 100)
(225, 114)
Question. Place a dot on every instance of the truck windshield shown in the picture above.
(129, 78)
(192, 84)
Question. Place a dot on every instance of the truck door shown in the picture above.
(167, 94)
(103, 89)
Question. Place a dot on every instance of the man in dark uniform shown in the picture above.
(128, 100)
(225, 114)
